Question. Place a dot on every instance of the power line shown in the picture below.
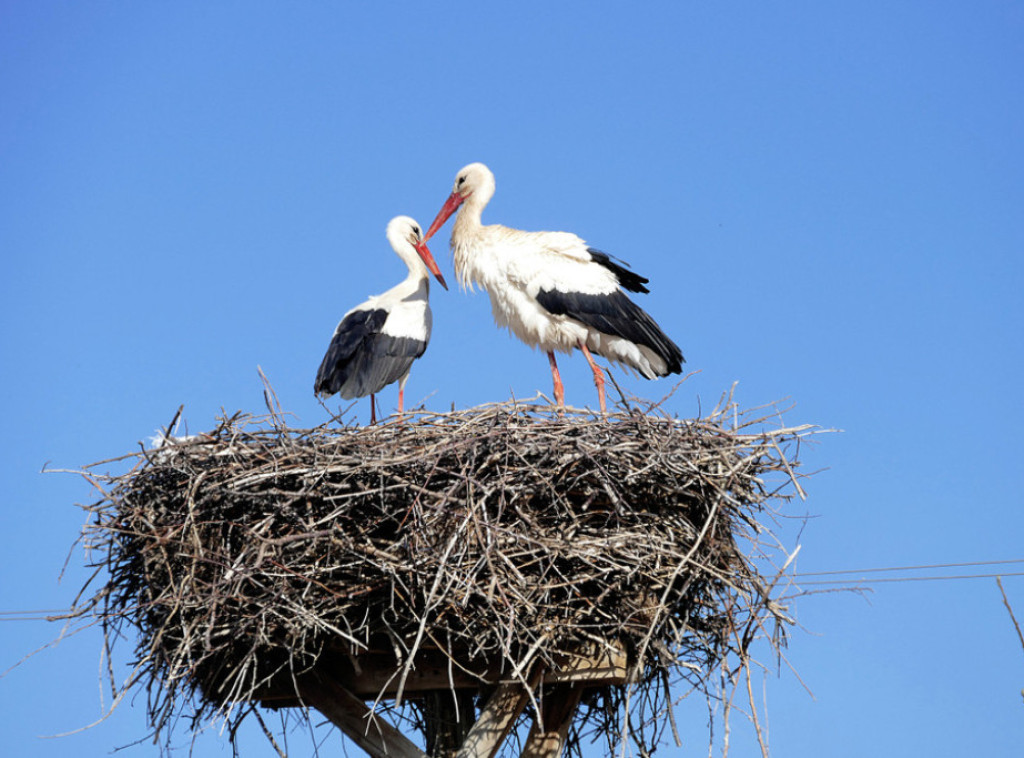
(941, 578)
(37, 615)
(913, 568)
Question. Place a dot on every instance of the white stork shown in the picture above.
(551, 290)
(376, 342)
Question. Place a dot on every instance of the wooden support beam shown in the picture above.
(548, 734)
(352, 716)
(448, 715)
(497, 718)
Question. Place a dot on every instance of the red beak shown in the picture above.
(424, 251)
(450, 206)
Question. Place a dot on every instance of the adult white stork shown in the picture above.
(376, 342)
(551, 290)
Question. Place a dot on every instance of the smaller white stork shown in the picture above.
(553, 291)
(376, 342)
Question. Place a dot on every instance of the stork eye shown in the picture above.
(416, 231)
(462, 179)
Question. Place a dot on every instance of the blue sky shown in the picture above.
(826, 197)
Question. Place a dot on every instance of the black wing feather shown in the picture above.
(350, 335)
(615, 314)
(381, 360)
(630, 280)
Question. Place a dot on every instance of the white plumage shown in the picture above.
(551, 290)
(376, 342)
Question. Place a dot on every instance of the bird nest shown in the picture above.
(447, 551)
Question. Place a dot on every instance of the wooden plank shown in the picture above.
(432, 671)
(593, 667)
(497, 719)
(352, 716)
(548, 734)
(375, 674)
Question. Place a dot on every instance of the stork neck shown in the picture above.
(417, 273)
(417, 268)
(414, 287)
(468, 217)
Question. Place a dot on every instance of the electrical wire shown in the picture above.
(942, 578)
(854, 577)
(37, 615)
(909, 568)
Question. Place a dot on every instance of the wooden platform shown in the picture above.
(342, 684)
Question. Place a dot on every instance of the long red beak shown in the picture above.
(450, 206)
(424, 251)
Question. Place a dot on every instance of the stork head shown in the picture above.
(475, 183)
(405, 236)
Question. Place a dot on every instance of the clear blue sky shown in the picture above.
(827, 198)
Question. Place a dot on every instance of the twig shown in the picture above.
(1009, 610)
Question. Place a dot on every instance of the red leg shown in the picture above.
(559, 389)
(373, 409)
(598, 376)
(401, 400)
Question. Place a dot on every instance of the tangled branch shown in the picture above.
(472, 546)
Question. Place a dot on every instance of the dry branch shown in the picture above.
(461, 550)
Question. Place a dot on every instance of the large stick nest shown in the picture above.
(502, 537)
